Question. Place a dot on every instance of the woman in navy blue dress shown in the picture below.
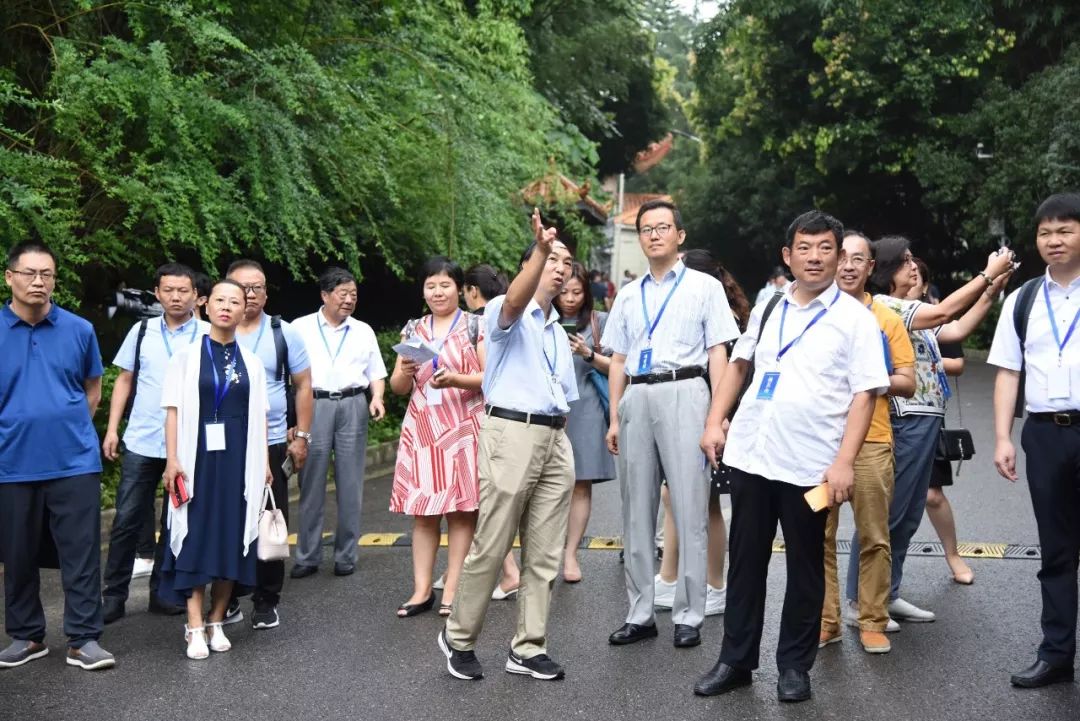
(210, 534)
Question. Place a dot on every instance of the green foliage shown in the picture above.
(370, 134)
(110, 470)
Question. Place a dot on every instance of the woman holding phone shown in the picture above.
(436, 474)
(587, 424)
(215, 470)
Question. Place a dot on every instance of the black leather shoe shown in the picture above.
(112, 609)
(164, 609)
(793, 686)
(344, 569)
(299, 571)
(408, 610)
(686, 636)
(722, 678)
(1041, 674)
(632, 633)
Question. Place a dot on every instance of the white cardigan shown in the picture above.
(181, 391)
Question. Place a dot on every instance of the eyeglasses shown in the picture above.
(662, 229)
(858, 260)
(254, 289)
(47, 276)
(345, 294)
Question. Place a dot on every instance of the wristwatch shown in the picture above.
(305, 435)
(592, 357)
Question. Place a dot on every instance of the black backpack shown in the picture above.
(135, 370)
(283, 372)
(776, 298)
(1021, 313)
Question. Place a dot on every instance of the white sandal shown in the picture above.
(218, 641)
(196, 642)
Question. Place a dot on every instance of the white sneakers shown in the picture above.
(851, 618)
(664, 597)
(143, 567)
(909, 612)
(197, 646)
(196, 643)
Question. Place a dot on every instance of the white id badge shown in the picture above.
(215, 436)
(1057, 382)
(433, 396)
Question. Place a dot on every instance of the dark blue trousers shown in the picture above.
(140, 483)
(69, 510)
(1053, 472)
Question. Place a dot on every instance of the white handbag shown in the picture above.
(273, 531)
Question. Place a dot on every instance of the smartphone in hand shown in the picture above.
(180, 494)
(289, 466)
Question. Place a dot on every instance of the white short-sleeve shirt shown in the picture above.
(343, 357)
(795, 436)
(1040, 348)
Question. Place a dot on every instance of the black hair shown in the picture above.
(777, 272)
(227, 281)
(178, 270)
(203, 285)
(441, 265)
(653, 205)
(814, 222)
(490, 282)
(888, 253)
(859, 234)
(29, 246)
(332, 277)
(532, 247)
(244, 263)
(1060, 206)
(584, 317)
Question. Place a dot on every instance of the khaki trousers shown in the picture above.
(526, 479)
(870, 502)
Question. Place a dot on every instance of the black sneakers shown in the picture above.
(233, 614)
(460, 664)
(261, 620)
(539, 666)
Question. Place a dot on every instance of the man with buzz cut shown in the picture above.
(1035, 345)
(142, 359)
(818, 367)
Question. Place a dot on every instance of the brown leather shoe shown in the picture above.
(874, 642)
(829, 637)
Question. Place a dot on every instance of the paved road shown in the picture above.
(341, 654)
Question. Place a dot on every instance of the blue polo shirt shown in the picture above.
(261, 342)
(45, 427)
(145, 432)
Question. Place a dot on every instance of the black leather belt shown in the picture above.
(667, 376)
(338, 395)
(553, 421)
(1062, 418)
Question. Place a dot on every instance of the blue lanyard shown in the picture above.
(165, 334)
(258, 338)
(651, 327)
(334, 356)
(220, 389)
(935, 358)
(783, 316)
(551, 363)
(439, 343)
(1053, 323)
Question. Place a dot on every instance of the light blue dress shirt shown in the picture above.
(518, 375)
(145, 432)
(261, 342)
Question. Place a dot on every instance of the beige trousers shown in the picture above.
(526, 480)
(870, 501)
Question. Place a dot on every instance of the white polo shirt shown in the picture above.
(696, 318)
(529, 365)
(795, 436)
(343, 357)
(1040, 347)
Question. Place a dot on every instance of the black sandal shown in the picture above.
(406, 610)
(444, 609)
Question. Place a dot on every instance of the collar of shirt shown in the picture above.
(671, 274)
(12, 319)
(534, 309)
(1054, 285)
(824, 298)
(184, 327)
(326, 324)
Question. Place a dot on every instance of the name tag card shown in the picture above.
(215, 436)
(644, 362)
(1057, 382)
(433, 396)
(768, 386)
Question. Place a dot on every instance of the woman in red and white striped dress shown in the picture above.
(436, 475)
